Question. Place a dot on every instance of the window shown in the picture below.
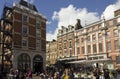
(38, 24)
(83, 50)
(116, 44)
(77, 41)
(82, 40)
(99, 35)
(95, 58)
(93, 28)
(100, 47)
(70, 36)
(70, 44)
(108, 45)
(94, 37)
(94, 48)
(60, 54)
(65, 53)
(101, 57)
(60, 40)
(38, 34)
(89, 49)
(107, 23)
(25, 18)
(78, 50)
(24, 61)
(89, 58)
(108, 34)
(70, 52)
(115, 32)
(38, 44)
(99, 25)
(88, 38)
(24, 43)
(118, 59)
(65, 38)
(25, 30)
(114, 22)
(60, 47)
(65, 46)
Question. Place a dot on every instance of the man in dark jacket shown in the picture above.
(106, 73)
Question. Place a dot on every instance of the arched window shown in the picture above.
(24, 61)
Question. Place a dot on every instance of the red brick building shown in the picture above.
(98, 42)
(29, 37)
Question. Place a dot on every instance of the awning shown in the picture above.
(90, 61)
(79, 61)
(67, 58)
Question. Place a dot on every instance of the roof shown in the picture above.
(28, 5)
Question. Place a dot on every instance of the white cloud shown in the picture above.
(109, 10)
(50, 36)
(67, 16)
(48, 22)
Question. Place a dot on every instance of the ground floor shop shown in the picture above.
(25, 60)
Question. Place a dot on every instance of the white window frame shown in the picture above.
(38, 44)
(38, 33)
(23, 29)
(25, 15)
(25, 39)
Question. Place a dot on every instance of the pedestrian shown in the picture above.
(41, 77)
(29, 74)
(97, 73)
(106, 73)
(118, 73)
(16, 74)
(66, 74)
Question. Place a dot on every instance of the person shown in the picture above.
(41, 77)
(29, 74)
(56, 75)
(106, 73)
(66, 75)
(118, 73)
(97, 73)
(71, 73)
(16, 74)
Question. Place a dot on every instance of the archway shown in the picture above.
(38, 64)
(24, 62)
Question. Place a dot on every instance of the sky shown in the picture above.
(65, 12)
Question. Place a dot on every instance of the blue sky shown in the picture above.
(65, 12)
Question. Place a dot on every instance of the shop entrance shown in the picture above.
(38, 64)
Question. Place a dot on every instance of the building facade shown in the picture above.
(29, 37)
(66, 44)
(98, 42)
(51, 52)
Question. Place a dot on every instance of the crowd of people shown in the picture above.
(66, 73)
